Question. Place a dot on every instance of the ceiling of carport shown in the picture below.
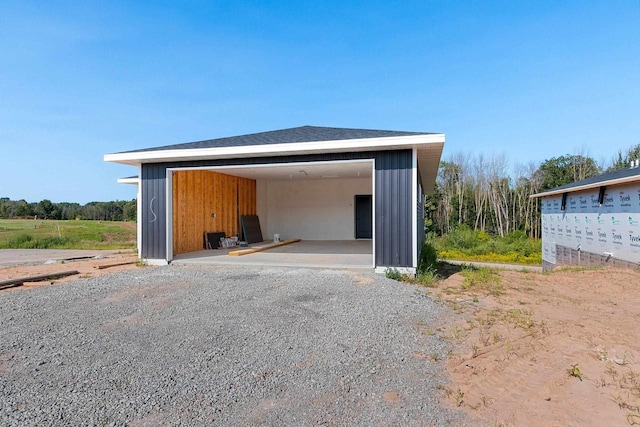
(303, 171)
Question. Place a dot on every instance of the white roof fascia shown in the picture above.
(343, 145)
(625, 180)
(134, 181)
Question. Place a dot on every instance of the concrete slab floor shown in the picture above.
(344, 254)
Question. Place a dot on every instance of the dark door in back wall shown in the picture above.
(364, 222)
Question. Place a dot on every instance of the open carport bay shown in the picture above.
(314, 201)
(189, 345)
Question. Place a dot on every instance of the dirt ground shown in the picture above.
(85, 267)
(554, 349)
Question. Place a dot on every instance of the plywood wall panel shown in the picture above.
(199, 194)
(247, 197)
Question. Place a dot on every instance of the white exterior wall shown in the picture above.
(613, 228)
(309, 209)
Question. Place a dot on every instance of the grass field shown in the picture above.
(54, 234)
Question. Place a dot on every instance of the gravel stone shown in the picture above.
(194, 345)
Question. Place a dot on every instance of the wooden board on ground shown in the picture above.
(51, 276)
(262, 248)
(117, 264)
(251, 228)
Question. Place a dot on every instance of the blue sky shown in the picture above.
(528, 79)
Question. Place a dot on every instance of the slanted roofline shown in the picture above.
(285, 136)
(617, 177)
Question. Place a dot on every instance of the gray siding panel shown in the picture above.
(154, 211)
(393, 208)
(420, 213)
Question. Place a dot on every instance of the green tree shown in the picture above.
(623, 159)
(23, 208)
(7, 208)
(68, 210)
(44, 208)
(130, 211)
(566, 169)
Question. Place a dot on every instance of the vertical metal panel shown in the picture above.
(393, 202)
(420, 214)
(145, 181)
(160, 227)
(394, 208)
(154, 213)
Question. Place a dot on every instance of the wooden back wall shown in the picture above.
(199, 194)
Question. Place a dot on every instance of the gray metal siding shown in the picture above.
(393, 210)
(420, 214)
(154, 212)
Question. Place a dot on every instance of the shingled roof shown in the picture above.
(286, 136)
(619, 176)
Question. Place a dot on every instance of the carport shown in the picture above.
(319, 184)
(326, 204)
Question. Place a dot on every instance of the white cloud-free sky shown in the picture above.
(530, 79)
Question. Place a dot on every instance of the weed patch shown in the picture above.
(482, 278)
(427, 278)
(27, 241)
(574, 371)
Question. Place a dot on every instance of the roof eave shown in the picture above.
(129, 180)
(366, 144)
(633, 178)
(429, 147)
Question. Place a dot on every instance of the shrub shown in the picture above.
(428, 259)
(393, 274)
(465, 244)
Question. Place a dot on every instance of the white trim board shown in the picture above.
(414, 200)
(169, 216)
(133, 181)
(156, 262)
(139, 215)
(373, 213)
(344, 145)
(401, 270)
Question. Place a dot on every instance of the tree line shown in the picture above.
(119, 210)
(484, 193)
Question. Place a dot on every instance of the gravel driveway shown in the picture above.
(222, 346)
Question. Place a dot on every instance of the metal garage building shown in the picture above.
(593, 222)
(313, 183)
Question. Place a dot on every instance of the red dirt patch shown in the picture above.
(86, 268)
(553, 349)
